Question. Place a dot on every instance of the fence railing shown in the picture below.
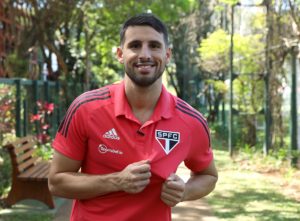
(26, 94)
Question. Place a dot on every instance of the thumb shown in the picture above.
(142, 162)
(172, 177)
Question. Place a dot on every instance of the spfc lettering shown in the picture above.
(167, 139)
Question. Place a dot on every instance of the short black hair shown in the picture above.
(144, 19)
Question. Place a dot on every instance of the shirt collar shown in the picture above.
(164, 107)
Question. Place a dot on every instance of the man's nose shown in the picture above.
(145, 53)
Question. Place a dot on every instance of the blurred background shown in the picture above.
(237, 62)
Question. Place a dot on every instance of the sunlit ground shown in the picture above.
(250, 196)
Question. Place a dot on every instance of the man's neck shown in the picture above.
(142, 99)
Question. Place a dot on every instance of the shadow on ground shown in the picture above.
(193, 211)
(31, 210)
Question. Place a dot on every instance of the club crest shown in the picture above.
(167, 139)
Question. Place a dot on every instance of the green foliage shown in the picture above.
(5, 166)
(248, 53)
(220, 133)
(5, 172)
(86, 34)
(170, 11)
(214, 52)
(7, 126)
(110, 75)
(29, 217)
(45, 151)
(219, 86)
(230, 2)
(7, 118)
(258, 21)
(248, 93)
(216, 43)
(16, 65)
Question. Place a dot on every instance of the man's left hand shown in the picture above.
(173, 190)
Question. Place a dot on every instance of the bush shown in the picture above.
(7, 115)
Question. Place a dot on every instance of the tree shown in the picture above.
(278, 28)
(186, 34)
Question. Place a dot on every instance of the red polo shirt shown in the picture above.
(100, 130)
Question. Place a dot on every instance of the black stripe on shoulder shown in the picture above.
(65, 132)
(196, 116)
(187, 107)
(62, 124)
(85, 96)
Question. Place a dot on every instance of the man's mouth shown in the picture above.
(144, 64)
(144, 67)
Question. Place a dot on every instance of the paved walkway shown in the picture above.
(197, 210)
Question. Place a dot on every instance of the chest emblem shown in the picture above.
(167, 139)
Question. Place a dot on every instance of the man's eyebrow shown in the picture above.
(134, 42)
(139, 41)
(155, 42)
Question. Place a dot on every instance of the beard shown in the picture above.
(141, 80)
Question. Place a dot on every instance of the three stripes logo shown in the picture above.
(167, 139)
(111, 134)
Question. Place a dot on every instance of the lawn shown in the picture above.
(256, 189)
(247, 195)
(26, 217)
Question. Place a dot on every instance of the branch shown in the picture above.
(60, 59)
(294, 17)
(173, 81)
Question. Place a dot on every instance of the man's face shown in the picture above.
(144, 55)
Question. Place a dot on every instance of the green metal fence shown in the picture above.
(26, 93)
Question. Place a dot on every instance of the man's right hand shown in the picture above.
(135, 177)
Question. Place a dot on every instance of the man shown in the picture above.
(118, 147)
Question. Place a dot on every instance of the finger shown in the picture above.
(172, 177)
(175, 185)
(169, 203)
(172, 190)
(145, 168)
(141, 162)
(139, 186)
(168, 197)
(178, 194)
(169, 200)
(143, 176)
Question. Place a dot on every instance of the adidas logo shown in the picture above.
(111, 134)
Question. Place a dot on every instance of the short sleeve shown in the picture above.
(200, 153)
(71, 137)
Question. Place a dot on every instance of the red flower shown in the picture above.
(5, 107)
(35, 117)
(39, 104)
(43, 138)
(45, 126)
(49, 107)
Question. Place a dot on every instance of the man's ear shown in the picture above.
(120, 55)
(168, 54)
